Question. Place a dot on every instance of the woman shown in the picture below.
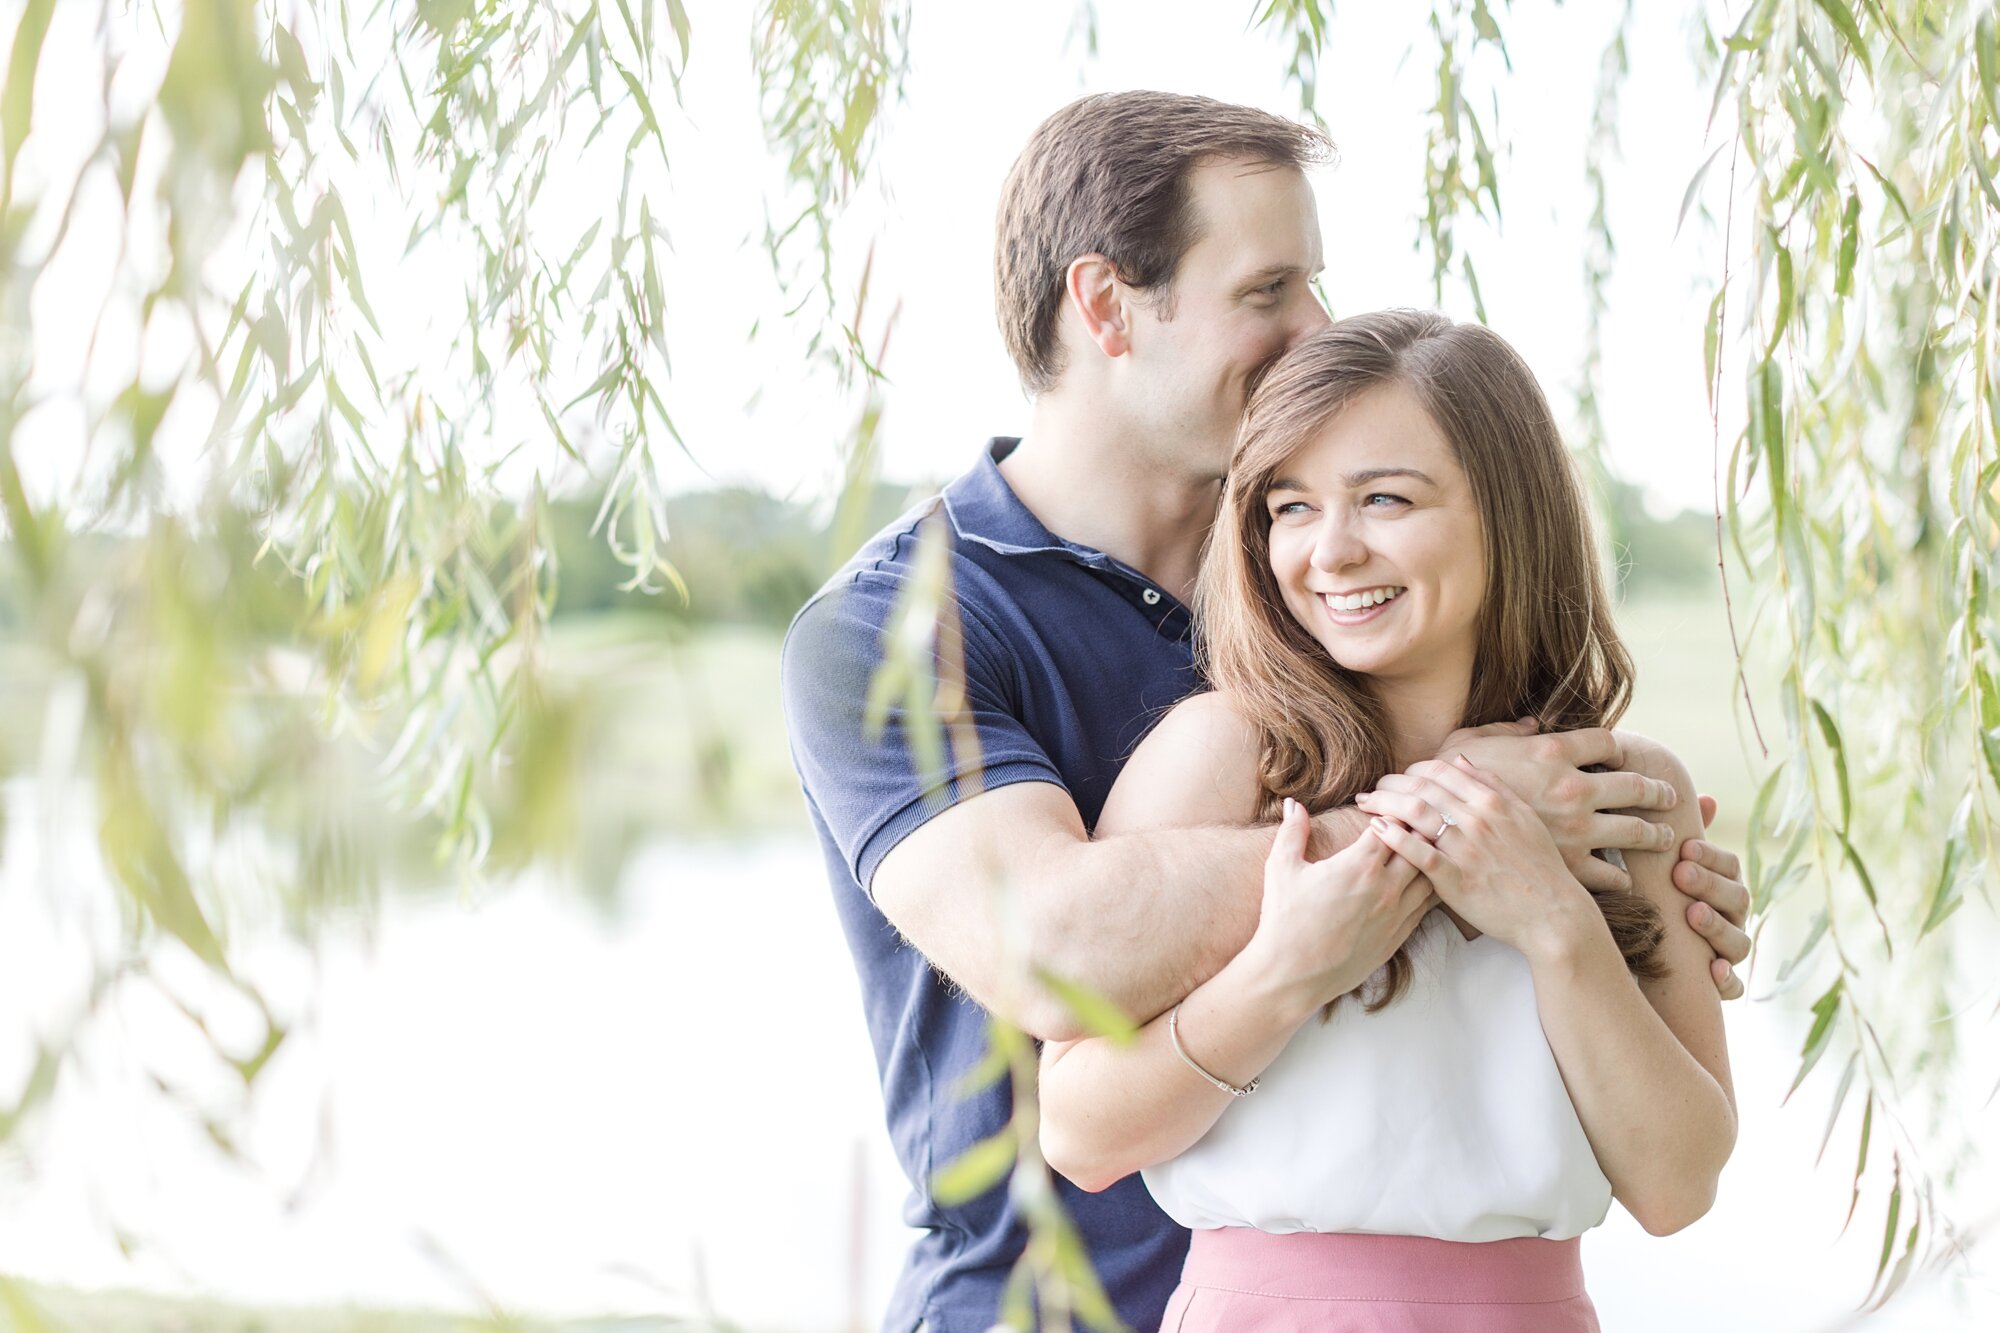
(1440, 1056)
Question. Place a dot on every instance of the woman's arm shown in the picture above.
(1109, 1110)
(1650, 1082)
(1644, 1061)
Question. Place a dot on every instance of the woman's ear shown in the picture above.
(1102, 303)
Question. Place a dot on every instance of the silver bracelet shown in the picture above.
(1174, 1035)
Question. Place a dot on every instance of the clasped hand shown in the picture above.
(1485, 852)
(1325, 926)
(1584, 810)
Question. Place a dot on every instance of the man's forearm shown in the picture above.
(1143, 918)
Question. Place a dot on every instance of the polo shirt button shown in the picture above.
(1152, 596)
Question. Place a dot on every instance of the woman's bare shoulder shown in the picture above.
(1199, 765)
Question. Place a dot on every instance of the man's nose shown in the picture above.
(1311, 318)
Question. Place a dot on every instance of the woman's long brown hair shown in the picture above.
(1547, 647)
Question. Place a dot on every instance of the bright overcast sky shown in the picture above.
(978, 88)
(759, 412)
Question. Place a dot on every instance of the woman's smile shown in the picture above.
(1358, 608)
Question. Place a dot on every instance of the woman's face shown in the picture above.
(1376, 541)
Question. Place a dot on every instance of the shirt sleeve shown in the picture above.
(870, 791)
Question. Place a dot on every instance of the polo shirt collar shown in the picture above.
(984, 510)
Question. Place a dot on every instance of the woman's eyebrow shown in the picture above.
(1366, 475)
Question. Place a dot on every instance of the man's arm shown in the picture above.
(1009, 881)
(1142, 914)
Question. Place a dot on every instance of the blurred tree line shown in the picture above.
(748, 557)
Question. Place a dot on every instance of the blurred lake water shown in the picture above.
(538, 1104)
(658, 1097)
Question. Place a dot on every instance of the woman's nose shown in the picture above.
(1336, 545)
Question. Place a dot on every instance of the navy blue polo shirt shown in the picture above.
(1070, 657)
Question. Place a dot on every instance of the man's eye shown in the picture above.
(1272, 288)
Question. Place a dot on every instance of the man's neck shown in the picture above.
(1092, 484)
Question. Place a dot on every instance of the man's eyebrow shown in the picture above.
(1271, 271)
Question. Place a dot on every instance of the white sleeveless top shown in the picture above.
(1442, 1115)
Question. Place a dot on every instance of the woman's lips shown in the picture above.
(1348, 619)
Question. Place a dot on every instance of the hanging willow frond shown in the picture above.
(1865, 496)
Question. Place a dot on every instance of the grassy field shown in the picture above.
(1687, 699)
(33, 1308)
(691, 733)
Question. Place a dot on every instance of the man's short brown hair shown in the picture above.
(1109, 175)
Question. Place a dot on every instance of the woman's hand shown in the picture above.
(1486, 853)
(1325, 926)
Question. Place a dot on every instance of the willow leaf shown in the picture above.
(1839, 1100)
(1785, 296)
(17, 101)
(1850, 245)
(1889, 1226)
(1805, 949)
(1830, 730)
(1986, 54)
(1085, 1289)
(975, 1171)
(1098, 1015)
(677, 16)
(1860, 1159)
(1694, 188)
(1843, 19)
(1945, 896)
(1825, 1009)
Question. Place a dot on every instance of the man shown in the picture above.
(1154, 252)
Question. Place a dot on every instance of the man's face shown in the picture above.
(1241, 296)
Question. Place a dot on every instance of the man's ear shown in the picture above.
(1102, 303)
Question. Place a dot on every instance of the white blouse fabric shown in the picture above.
(1442, 1115)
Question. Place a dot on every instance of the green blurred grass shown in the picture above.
(28, 1307)
(1687, 699)
(696, 718)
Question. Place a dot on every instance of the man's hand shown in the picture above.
(1546, 771)
(1711, 876)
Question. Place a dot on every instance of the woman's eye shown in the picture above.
(1289, 508)
(1383, 500)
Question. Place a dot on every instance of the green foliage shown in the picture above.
(331, 650)
(336, 648)
(1865, 307)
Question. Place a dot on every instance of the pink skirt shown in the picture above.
(1243, 1281)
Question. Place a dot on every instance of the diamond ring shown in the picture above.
(1448, 822)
